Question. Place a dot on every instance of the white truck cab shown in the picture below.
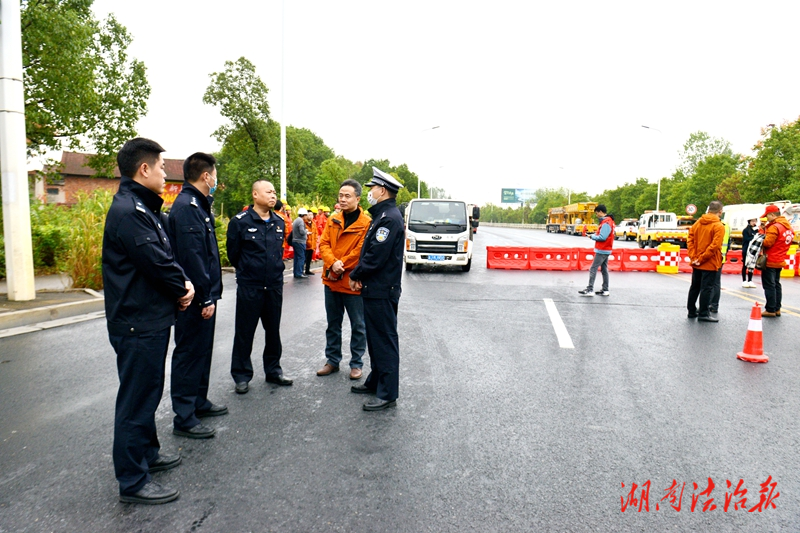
(439, 232)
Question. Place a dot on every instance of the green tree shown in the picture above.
(729, 190)
(774, 172)
(545, 199)
(250, 140)
(701, 188)
(698, 147)
(305, 153)
(332, 173)
(80, 85)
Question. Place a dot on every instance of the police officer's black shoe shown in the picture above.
(197, 432)
(377, 404)
(242, 387)
(362, 389)
(703, 318)
(279, 380)
(215, 410)
(165, 462)
(151, 494)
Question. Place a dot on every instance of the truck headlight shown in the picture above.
(411, 244)
(463, 242)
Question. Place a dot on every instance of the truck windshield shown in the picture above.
(438, 213)
(443, 215)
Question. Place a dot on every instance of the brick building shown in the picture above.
(75, 177)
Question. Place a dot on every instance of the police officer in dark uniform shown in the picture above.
(377, 276)
(144, 288)
(191, 233)
(255, 249)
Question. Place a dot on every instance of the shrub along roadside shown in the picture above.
(70, 239)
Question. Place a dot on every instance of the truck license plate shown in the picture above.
(436, 257)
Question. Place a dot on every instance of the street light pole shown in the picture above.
(658, 193)
(419, 181)
(13, 175)
(283, 98)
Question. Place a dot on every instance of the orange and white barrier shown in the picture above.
(790, 270)
(669, 257)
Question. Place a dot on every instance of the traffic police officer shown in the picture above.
(144, 287)
(255, 249)
(378, 276)
(191, 233)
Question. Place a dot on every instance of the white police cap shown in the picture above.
(382, 179)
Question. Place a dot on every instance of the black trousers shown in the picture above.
(252, 304)
(140, 364)
(309, 256)
(773, 292)
(703, 286)
(716, 292)
(191, 366)
(747, 275)
(380, 317)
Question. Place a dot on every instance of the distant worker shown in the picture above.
(255, 249)
(748, 233)
(311, 243)
(604, 242)
(321, 220)
(340, 247)
(378, 276)
(704, 246)
(777, 239)
(299, 238)
(713, 305)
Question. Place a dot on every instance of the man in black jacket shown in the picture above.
(255, 248)
(191, 233)
(377, 276)
(144, 287)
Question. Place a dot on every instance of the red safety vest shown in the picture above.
(607, 244)
(776, 254)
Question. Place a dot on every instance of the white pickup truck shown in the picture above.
(439, 232)
(626, 229)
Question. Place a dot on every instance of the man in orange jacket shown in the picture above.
(705, 252)
(340, 247)
(777, 239)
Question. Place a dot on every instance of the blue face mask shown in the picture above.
(212, 190)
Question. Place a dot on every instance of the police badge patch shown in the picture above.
(381, 234)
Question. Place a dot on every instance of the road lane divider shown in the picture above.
(562, 334)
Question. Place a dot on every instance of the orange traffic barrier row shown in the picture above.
(621, 260)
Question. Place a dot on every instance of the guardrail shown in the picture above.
(518, 226)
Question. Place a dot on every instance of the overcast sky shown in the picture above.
(525, 94)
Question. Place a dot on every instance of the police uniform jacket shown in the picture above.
(191, 233)
(142, 281)
(255, 248)
(380, 266)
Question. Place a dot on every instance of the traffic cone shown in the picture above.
(753, 351)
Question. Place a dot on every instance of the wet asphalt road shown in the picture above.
(498, 428)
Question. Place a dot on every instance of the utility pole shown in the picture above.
(16, 202)
(283, 99)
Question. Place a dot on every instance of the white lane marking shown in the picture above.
(561, 330)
